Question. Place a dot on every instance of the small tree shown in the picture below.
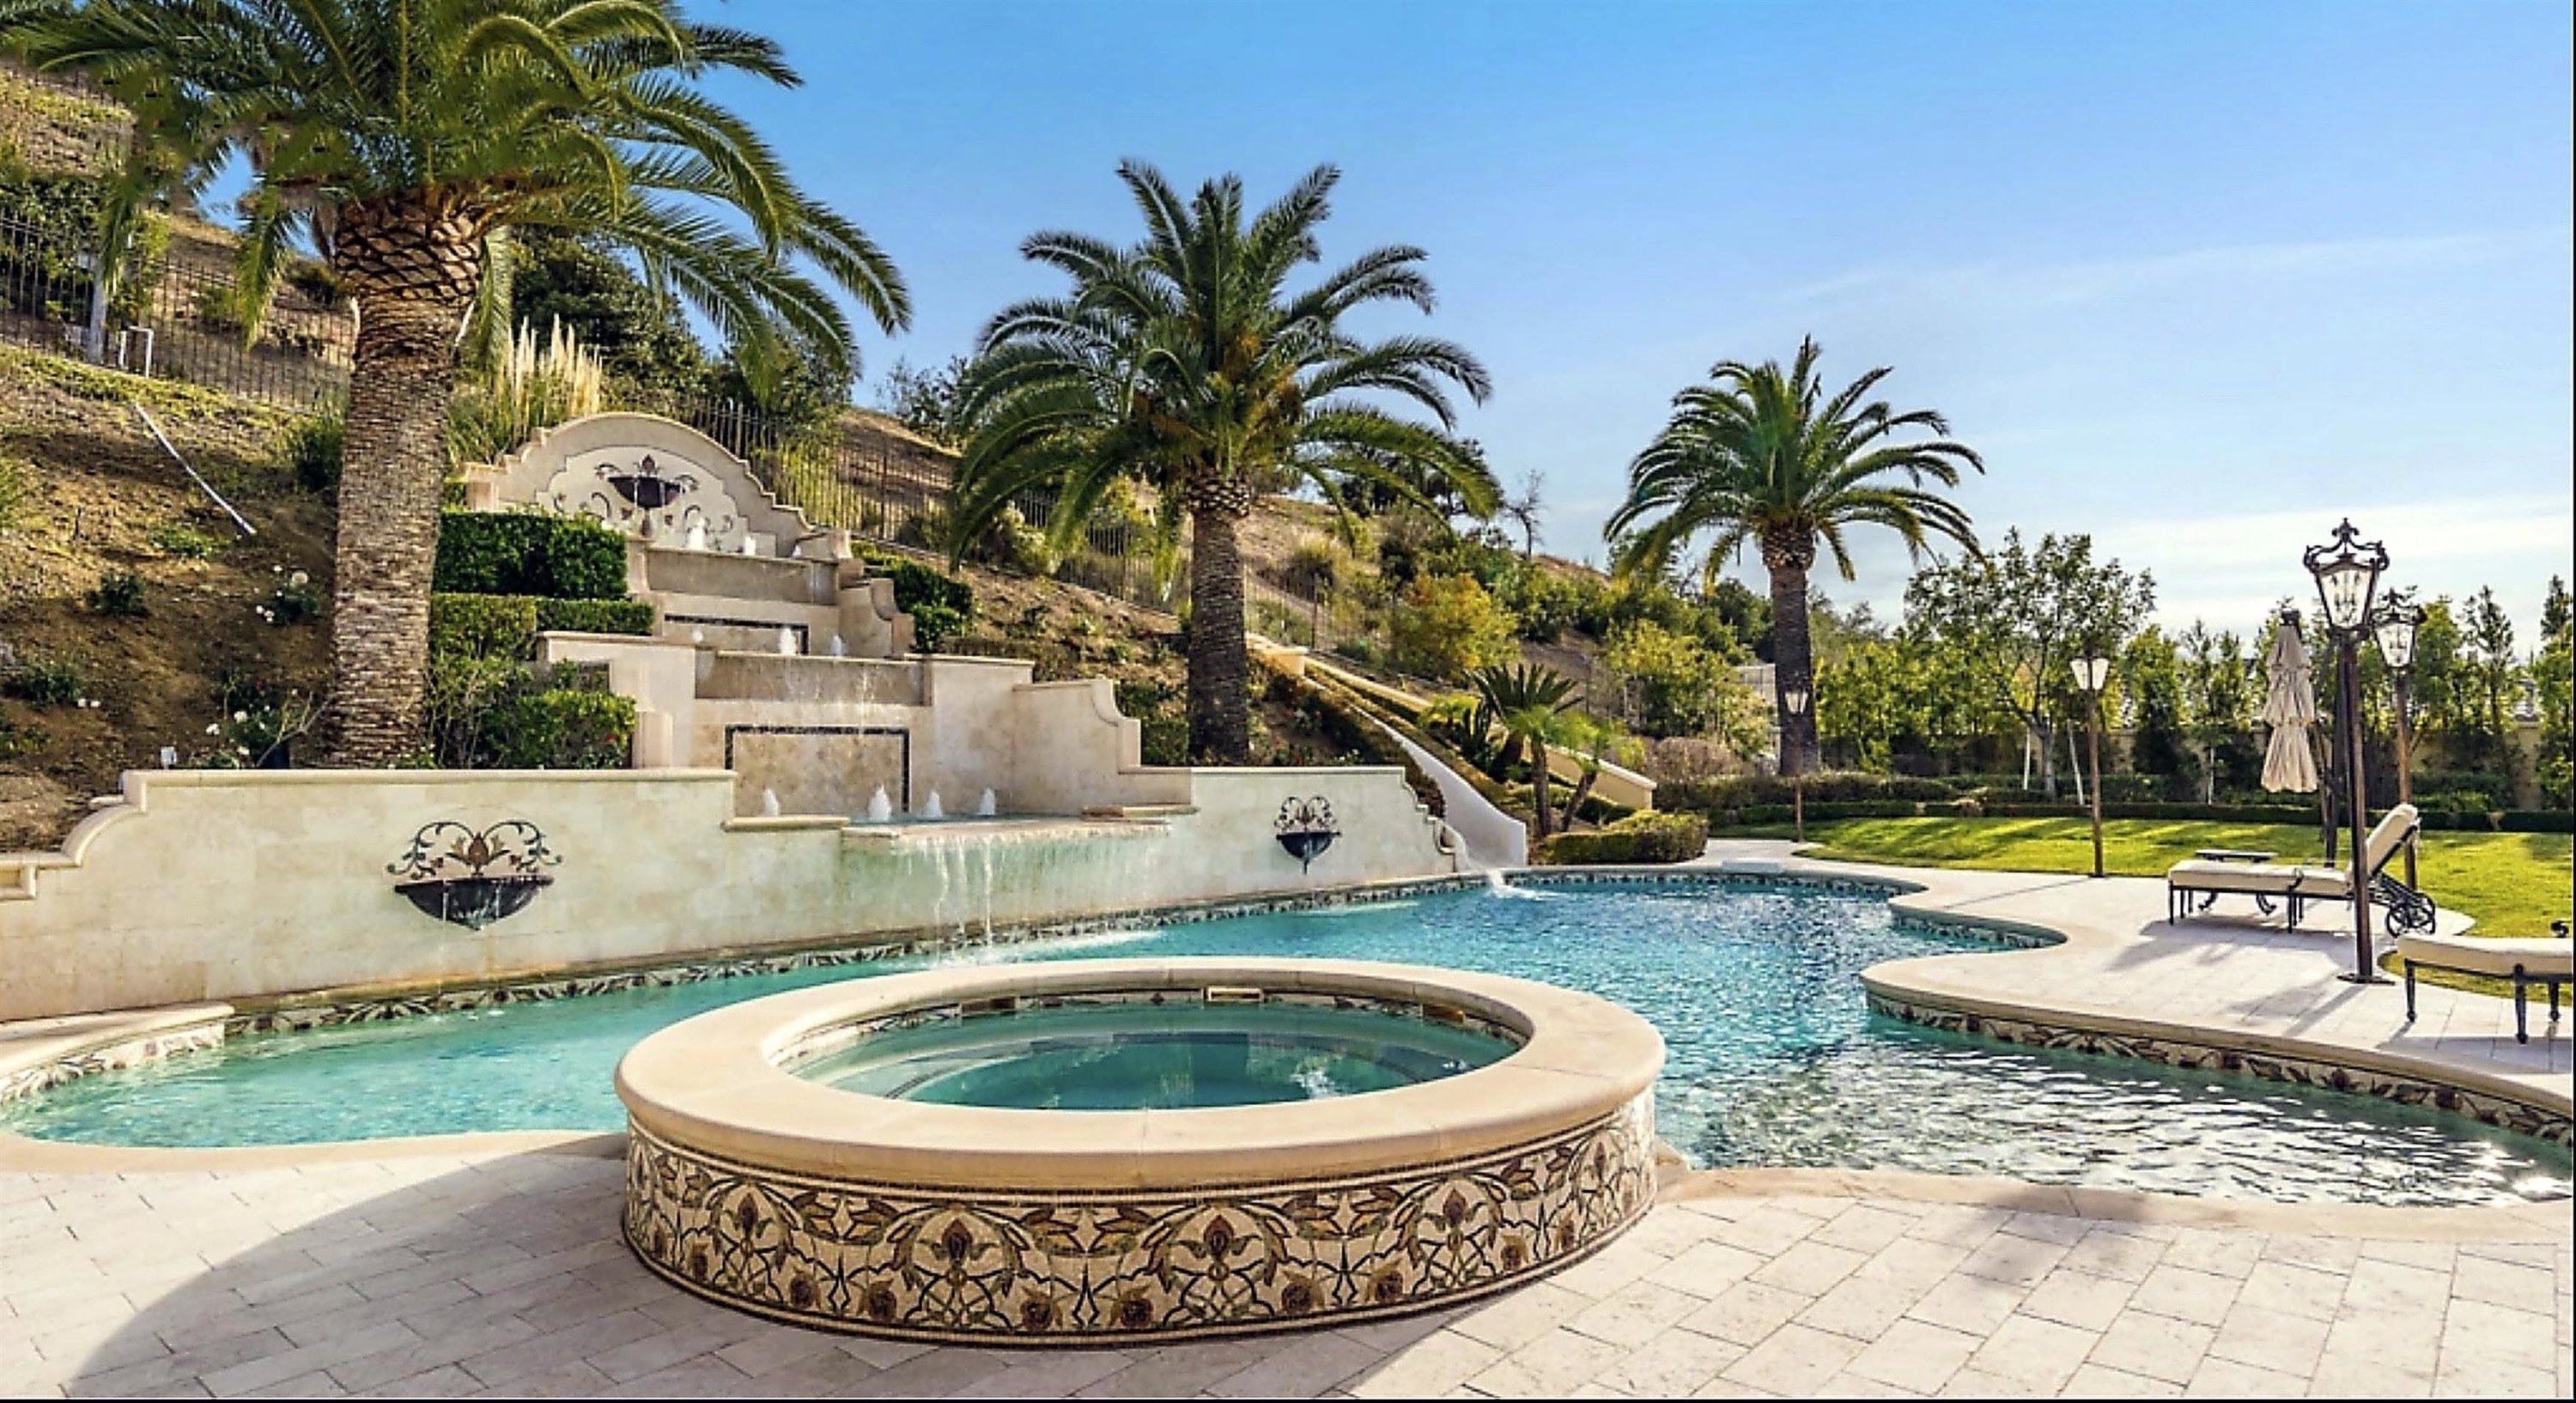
(2018, 616)
(1523, 511)
(2219, 695)
(2492, 673)
(1528, 702)
(1677, 685)
(2553, 676)
(2151, 675)
(1447, 626)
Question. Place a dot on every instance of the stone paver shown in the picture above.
(458, 1276)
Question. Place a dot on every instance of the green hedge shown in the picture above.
(1645, 837)
(555, 557)
(941, 607)
(563, 729)
(2171, 813)
(2536, 821)
(631, 616)
(2301, 816)
(482, 626)
(1739, 791)
(506, 625)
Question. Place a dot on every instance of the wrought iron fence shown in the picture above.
(884, 488)
(171, 321)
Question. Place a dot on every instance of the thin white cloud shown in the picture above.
(2229, 568)
(2086, 281)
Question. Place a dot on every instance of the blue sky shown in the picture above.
(2197, 278)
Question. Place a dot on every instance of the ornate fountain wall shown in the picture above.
(254, 885)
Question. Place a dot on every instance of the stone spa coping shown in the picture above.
(718, 1083)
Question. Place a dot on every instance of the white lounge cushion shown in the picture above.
(2393, 828)
(2537, 955)
(2269, 879)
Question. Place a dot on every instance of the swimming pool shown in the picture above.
(1773, 1057)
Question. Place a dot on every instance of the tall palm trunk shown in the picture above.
(1788, 556)
(1582, 791)
(1220, 665)
(1539, 787)
(411, 263)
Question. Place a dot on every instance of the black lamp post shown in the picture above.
(2347, 573)
(2091, 675)
(2395, 627)
(1794, 701)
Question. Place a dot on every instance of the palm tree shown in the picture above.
(1186, 363)
(404, 138)
(1529, 702)
(1592, 740)
(1760, 456)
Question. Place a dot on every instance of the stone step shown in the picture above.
(767, 579)
(753, 676)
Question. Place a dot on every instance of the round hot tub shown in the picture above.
(1135, 1149)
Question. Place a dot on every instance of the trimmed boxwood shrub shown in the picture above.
(482, 626)
(1831, 788)
(563, 729)
(634, 616)
(941, 608)
(1644, 837)
(2536, 821)
(556, 557)
(506, 625)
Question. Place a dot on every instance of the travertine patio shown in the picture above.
(502, 1273)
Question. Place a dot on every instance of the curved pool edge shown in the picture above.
(797, 1201)
(1912, 892)
(1953, 992)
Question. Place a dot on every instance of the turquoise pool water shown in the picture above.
(1774, 1058)
(1154, 1057)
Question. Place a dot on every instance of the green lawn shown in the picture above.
(2513, 883)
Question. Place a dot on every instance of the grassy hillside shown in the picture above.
(86, 494)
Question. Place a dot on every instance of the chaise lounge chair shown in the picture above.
(2194, 887)
(2547, 960)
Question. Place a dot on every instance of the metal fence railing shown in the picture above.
(885, 488)
(170, 321)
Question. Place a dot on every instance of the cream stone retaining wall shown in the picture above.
(796, 1200)
(823, 733)
(261, 885)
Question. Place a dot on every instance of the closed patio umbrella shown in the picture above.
(2289, 708)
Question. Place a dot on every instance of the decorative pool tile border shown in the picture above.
(1108, 1267)
(297, 1017)
(2502, 1112)
(133, 1052)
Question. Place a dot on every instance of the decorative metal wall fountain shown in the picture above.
(1306, 828)
(648, 499)
(646, 487)
(472, 879)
